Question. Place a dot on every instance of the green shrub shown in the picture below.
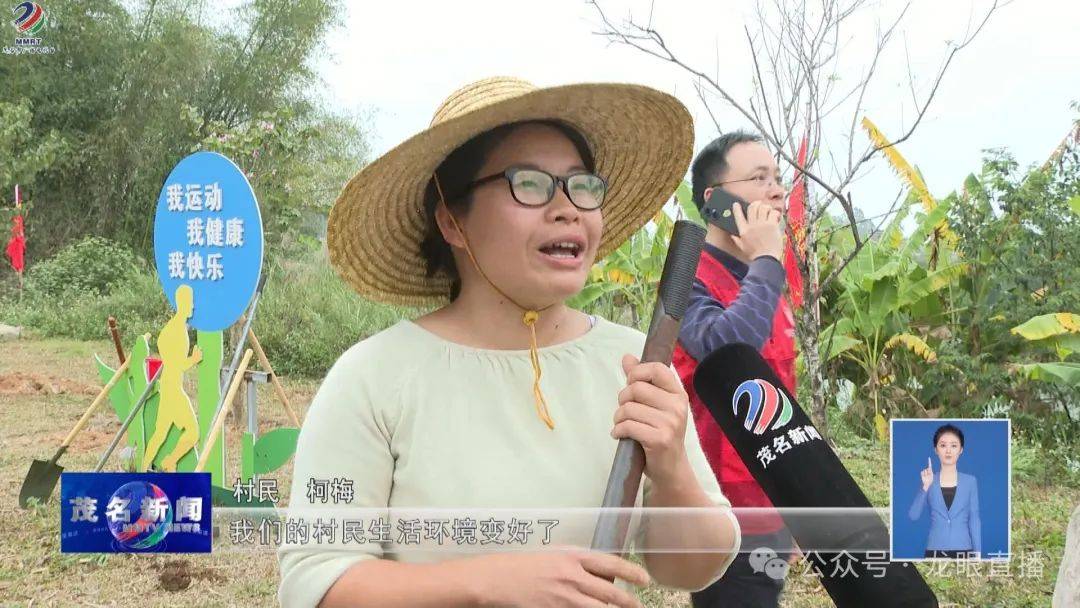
(91, 266)
(307, 317)
(137, 303)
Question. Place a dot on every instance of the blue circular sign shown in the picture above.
(208, 235)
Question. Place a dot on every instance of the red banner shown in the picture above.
(796, 217)
(16, 247)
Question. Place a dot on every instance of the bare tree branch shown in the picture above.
(937, 83)
(760, 79)
(645, 34)
(882, 41)
(708, 108)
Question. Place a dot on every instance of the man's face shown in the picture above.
(752, 175)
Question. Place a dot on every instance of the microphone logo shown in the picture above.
(767, 404)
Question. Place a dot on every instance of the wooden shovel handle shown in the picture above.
(116, 339)
(97, 401)
(220, 420)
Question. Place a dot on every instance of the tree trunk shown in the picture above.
(808, 329)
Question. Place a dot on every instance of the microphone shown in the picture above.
(796, 468)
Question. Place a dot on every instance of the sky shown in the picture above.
(394, 62)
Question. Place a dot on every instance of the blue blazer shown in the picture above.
(957, 528)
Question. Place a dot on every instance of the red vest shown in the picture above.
(779, 351)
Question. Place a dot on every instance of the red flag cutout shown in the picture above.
(16, 247)
(796, 217)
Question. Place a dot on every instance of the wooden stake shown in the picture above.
(116, 339)
(219, 422)
(265, 363)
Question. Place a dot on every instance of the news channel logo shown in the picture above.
(30, 18)
(30, 21)
(135, 513)
(767, 404)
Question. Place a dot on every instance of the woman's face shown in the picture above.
(948, 448)
(512, 242)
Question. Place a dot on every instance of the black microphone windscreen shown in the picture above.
(796, 467)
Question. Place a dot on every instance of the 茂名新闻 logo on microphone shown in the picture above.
(768, 406)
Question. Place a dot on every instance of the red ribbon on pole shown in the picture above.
(16, 247)
(796, 217)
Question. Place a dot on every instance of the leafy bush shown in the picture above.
(91, 266)
(308, 316)
(137, 303)
(1047, 463)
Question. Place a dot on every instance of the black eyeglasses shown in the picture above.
(760, 179)
(536, 187)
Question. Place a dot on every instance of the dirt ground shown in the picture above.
(45, 386)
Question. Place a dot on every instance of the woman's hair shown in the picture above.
(948, 428)
(460, 168)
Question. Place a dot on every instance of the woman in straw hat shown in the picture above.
(503, 397)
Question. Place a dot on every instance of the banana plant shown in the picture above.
(882, 293)
(1060, 332)
(628, 277)
(912, 177)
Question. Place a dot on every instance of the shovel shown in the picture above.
(131, 416)
(43, 475)
(219, 417)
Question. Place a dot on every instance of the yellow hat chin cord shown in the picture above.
(529, 319)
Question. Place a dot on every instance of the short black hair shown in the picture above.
(948, 428)
(455, 172)
(711, 162)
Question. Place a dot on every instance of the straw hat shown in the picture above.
(642, 141)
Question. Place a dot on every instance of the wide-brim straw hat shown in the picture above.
(641, 139)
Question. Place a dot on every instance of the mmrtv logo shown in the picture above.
(767, 404)
(30, 18)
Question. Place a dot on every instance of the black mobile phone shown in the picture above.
(717, 210)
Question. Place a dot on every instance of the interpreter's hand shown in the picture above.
(569, 578)
(652, 410)
(927, 475)
(196, 355)
(760, 231)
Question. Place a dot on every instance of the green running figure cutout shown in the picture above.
(174, 407)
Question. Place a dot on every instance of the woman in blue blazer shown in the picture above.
(955, 528)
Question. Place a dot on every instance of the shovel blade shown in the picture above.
(39, 482)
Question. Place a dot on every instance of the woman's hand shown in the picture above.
(927, 475)
(652, 410)
(573, 578)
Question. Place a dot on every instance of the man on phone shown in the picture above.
(737, 297)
